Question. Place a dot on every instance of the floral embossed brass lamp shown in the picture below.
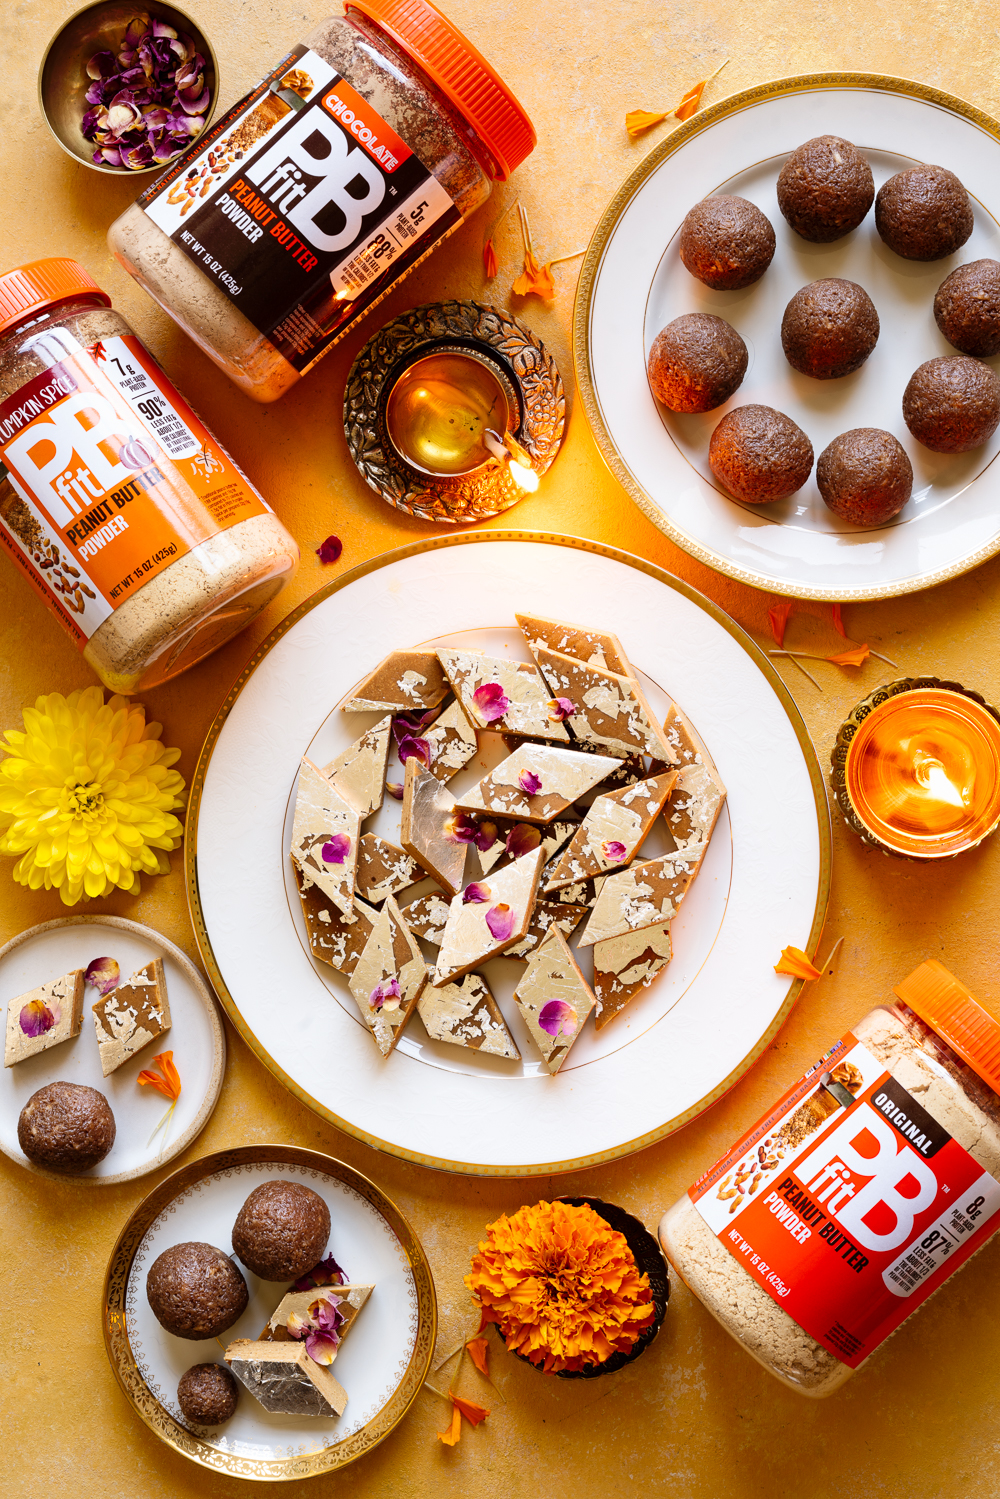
(916, 769)
(453, 411)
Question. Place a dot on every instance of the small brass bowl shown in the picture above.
(63, 80)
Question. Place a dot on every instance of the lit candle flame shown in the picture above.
(508, 450)
(931, 774)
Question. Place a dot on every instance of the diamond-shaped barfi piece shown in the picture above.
(359, 772)
(625, 965)
(388, 978)
(335, 937)
(427, 916)
(612, 831)
(496, 916)
(466, 1014)
(383, 869)
(325, 834)
(520, 706)
(680, 735)
(451, 740)
(404, 681)
(546, 915)
(285, 1379)
(560, 776)
(132, 1016)
(555, 999)
(694, 806)
(611, 710)
(596, 647)
(57, 1005)
(424, 827)
(647, 894)
(349, 1299)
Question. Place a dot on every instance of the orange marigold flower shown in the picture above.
(561, 1285)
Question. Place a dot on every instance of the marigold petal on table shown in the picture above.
(639, 120)
(796, 964)
(479, 1353)
(471, 1409)
(454, 1432)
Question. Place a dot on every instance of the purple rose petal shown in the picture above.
(476, 894)
(395, 790)
(330, 549)
(461, 828)
(486, 835)
(491, 700)
(385, 995)
(557, 1016)
(417, 749)
(530, 783)
(326, 1273)
(500, 920)
(103, 974)
(614, 851)
(560, 708)
(522, 839)
(336, 850)
(322, 1346)
(37, 1017)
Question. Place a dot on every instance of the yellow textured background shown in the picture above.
(695, 1417)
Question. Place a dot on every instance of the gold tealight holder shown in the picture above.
(916, 769)
(453, 411)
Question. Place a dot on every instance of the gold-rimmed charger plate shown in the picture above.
(382, 1368)
(633, 283)
(680, 1046)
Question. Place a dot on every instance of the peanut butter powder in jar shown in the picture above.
(116, 503)
(368, 143)
(871, 1180)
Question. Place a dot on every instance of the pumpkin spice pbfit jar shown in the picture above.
(851, 1202)
(120, 508)
(372, 139)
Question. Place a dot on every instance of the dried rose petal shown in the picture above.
(418, 749)
(486, 835)
(408, 725)
(330, 549)
(297, 1326)
(322, 1346)
(198, 105)
(386, 995)
(101, 65)
(522, 839)
(560, 708)
(461, 828)
(530, 783)
(614, 851)
(326, 1273)
(325, 1312)
(336, 851)
(395, 790)
(558, 1016)
(476, 894)
(137, 158)
(37, 1017)
(500, 920)
(103, 974)
(491, 700)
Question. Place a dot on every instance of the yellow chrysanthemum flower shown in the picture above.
(87, 796)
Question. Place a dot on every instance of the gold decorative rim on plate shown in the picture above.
(702, 121)
(824, 830)
(145, 1403)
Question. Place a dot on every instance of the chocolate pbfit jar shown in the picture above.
(364, 147)
(851, 1202)
(120, 508)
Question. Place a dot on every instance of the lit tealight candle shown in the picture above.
(923, 773)
(439, 412)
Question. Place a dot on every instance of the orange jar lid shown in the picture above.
(461, 73)
(946, 1005)
(40, 284)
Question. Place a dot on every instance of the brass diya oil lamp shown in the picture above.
(916, 769)
(453, 412)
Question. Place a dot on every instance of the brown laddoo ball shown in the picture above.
(865, 476)
(825, 189)
(196, 1291)
(952, 404)
(282, 1230)
(66, 1127)
(727, 242)
(207, 1394)
(696, 362)
(923, 213)
(829, 329)
(759, 454)
(967, 308)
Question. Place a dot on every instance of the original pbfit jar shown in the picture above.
(864, 1188)
(116, 503)
(368, 143)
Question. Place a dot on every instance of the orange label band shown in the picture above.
(849, 1203)
(113, 477)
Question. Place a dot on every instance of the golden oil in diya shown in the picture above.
(440, 409)
(922, 773)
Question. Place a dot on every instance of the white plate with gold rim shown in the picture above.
(195, 1037)
(633, 283)
(676, 1048)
